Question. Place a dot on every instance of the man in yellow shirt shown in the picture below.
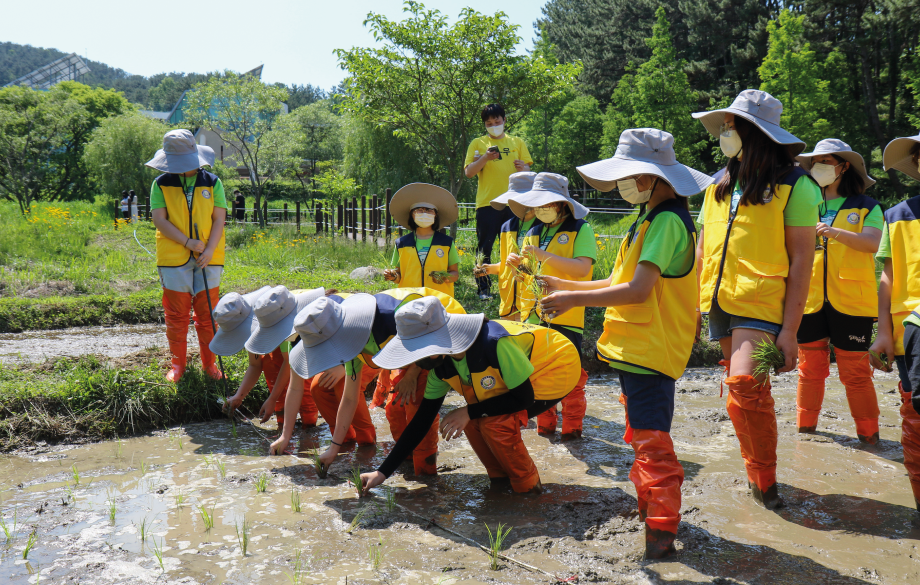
(493, 158)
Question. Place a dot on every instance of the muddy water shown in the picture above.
(108, 341)
(848, 518)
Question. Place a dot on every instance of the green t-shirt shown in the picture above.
(830, 208)
(513, 361)
(285, 347)
(158, 201)
(422, 247)
(523, 229)
(800, 211)
(354, 367)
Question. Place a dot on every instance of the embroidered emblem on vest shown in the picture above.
(767, 195)
(487, 382)
(564, 239)
(439, 252)
(853, 218)
(206, 194)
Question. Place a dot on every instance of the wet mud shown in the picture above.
(849, 519)
(111, 342)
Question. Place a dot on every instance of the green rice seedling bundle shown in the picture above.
(391, 499)
(767, 357)
(883, 357)
(375, 552)
(221, 467)
(262, 482)
(321, 470)
(478, 268)
(158, 552)
(207, 516)
(441, 275)
(354, 476)
(295, 500)
(242, 534)
(30, 544)
(496, 543)
(143, 529)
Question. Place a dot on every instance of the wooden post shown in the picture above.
(354, 217)
(318, 217)
(285, 212)
(375, 217)
(341, 218)
(265, 211)
(147, 206)
(364, 219)
(386, 215)
(297, 211)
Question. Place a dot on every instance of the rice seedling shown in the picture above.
(886, 365)
(221, 468)
(207, 517)
(143, 529)
(321, 470)
(299, 570)
(75, 474)
(179, 498)
(767, 357)
(242, 534)
(295, 500)
(262, 482)
(391, 499)
(143, 468)
(356, 520)
(9, 531)
(375, 552)
(478, 268)
(119, 448)
(354, 476)
(496, 543)
(158, 552)
(113, 507)
(441, 275)
(233, 427)
(206, 461)
(30, 544)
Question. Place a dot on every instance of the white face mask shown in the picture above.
(824, 174)
(496, 131)
(423, 219)
(729, 142)
(631, 193)
(546, 214)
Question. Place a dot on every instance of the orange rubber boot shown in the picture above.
(657, 475)
(176, 307)
(205, 331)
(279, 411)
(382, 391)
(750, 406)
(309, 413)
(814, 368)
(498, 442)
(547, 420)
(425, 456)
(856, 375)
(361, 422)
(327, 402)
(910, 442)
(574, 406)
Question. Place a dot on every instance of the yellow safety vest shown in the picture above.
(562, 244)
(413, 274)
(509, 289)
(904, 234)
(745, 261)
(557, 366)
(658, 333)
(845, 277)
(178, 212)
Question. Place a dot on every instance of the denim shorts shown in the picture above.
(721, 324)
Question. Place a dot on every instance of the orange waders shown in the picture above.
(327, 401)
(574, 406)
(750, 406)
(176, 307)
(271, 367)
(910, 442)
(498, 443)
(425, 456)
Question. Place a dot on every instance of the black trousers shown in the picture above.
(488, 225)
(909, 364)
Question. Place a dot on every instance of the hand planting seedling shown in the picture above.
(496, 544)
(883, 358)
(767, 357)
(321, 470)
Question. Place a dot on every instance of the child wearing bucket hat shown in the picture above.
(506, 371)
(650, 324)
(564, 247)
(899, 302)
(424, 257)
(337, 342)
(842, 302)
(511, 240)
(756, 252)
(183, 197)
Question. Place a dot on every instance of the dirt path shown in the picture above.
(848, 519)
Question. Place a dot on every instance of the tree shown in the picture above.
(429, 80)
(577, 133)
(117, 150)
(303, 95)
(378, 159)
(164, 96)
(317, 135)
(657, 95)
(243, 112)
(336, 187)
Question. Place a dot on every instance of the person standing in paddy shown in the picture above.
(563, 244)
(842, 302)
(511, 240)
(650, 324)
(756, 251)
(899, 302)
(424, 257)
(181, 198)
(492, 158)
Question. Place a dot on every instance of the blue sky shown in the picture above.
(294, 39)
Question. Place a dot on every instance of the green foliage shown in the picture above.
(163, 96)
(117, 150)
(577, 133)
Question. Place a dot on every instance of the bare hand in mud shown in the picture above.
(196, 246)
(205, 258)
(232, 404)
(267, 410)
(371, 480)
(789, 345)
(328, 457)
(454, 422)
(883, 346)
(556, 304)
(405, 390)
(331, 377)
(279, 446)
(391, 275)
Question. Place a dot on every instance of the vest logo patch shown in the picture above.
(853, 218)
(206, 194)
(487, 382)
(439, 252)
(564, 239)
(767, 195)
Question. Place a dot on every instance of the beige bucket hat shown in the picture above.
(234, 317)
(180, 154)
(331, 333)
(837, 148)
(759, 108)
(897, 156)
(547, 188)
(424, 195)
(518, 184)
(275, 312)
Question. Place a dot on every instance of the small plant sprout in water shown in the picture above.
(143, 529)
(119, 448)
(9, 530)
(295, 500)
(242, 534)
(357, 520)
(262, 482)
(299, 571)
(321, 470)
(496, 543)
(158, 551)
(767, 357)
(391, 498)
(207, 517)
(143, 468)
(221, 467)
(75, 474)
(179, 497)
(113, 507)
(375, 553)
(354, 476)
(30, 544)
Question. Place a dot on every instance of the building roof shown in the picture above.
(68, 68)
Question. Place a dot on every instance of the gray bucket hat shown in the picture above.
(759, 108)
(424, 195)
(331, 334)
(547, 188)
(897, 156)
(179, 154)
(275, 312)
(518, 184)
(423, 329)
(234, 317)
(206, 153)
(645, 151)
(841, 149)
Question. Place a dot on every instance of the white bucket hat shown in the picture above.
(331, 334)
(897, 156)
(841, 149)
(547, 188)
(423, 329)
(759, 108)
(275, 312)
(645, 151)
(179, 154)
(424, 195)
(207, 154)
(518, 184)
(233, 315)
